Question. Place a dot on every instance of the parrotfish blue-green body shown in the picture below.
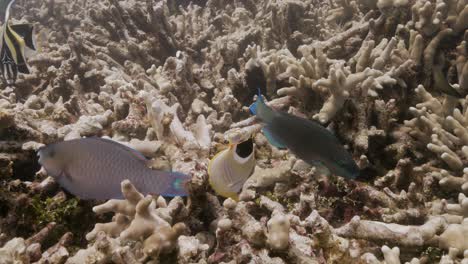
(93, 168)
(307, 139)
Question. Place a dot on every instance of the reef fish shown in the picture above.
(230, 168)
(307, 139)
(93, 168)
(15, 38)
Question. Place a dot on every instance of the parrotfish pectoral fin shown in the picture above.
(177, 185)
(26, 32)
(272, 139)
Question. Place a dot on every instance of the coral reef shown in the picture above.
(173, 80)
(137, 218)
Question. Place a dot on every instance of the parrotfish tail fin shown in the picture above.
(272, 139)
(177, 184)
(26, 32)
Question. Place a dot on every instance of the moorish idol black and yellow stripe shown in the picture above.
(15, 38)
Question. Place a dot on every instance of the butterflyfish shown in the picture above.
(15, 39)
(93, 168)
(307, 139)
(230, 168)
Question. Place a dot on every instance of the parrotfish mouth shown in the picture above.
(39, 154)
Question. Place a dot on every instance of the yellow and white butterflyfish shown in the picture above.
(230, 168)
(15, 38)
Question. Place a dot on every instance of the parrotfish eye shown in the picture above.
(245, 148)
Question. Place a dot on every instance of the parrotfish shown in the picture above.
(93, 168)
(230, 168)
(15, 38)
(307, 139)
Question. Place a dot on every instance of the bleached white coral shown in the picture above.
(278, 231)
(14, 251)
(142, 219)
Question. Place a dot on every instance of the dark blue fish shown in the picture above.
(93, 168)
(307, 139)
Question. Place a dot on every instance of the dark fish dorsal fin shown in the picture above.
(26, 32)
(133, 152)
(7, 9)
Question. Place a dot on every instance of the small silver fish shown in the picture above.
(15, 38)
(93, 168)
(307, 139)
(230, 168)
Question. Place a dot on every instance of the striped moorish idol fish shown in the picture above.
(15, 38)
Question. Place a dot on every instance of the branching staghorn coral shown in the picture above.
(439, 125)
(139, 218)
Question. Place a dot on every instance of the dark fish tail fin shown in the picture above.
(26, 32)
(177, 184)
